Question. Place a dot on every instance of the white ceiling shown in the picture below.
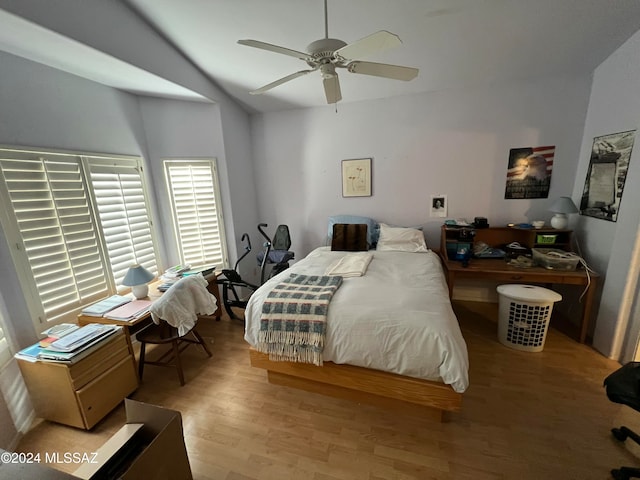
(454, 43)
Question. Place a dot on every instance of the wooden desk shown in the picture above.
(498, 270)
(132, 327)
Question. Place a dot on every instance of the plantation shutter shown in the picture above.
(57, 229)
(5, 351)
(197, 216)
(121, 203)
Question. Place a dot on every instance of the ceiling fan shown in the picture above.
(328, 54)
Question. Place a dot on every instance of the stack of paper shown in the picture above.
(130, 311)
(89, 343)
(103, 306)
(73, 356)
(81, 337)
(57, 332)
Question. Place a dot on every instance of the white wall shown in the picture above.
(452, 142)
(176, 129)
(94, 23)
(614, 107)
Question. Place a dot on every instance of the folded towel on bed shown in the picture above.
(292, 325)
(351, 265)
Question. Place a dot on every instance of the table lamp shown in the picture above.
(561, 207)
(137, 278)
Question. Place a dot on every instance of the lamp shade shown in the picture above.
(137, 278)
(561, 207)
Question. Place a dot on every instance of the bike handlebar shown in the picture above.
(245, 236)
(263, 232)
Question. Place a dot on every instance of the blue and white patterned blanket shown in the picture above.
(293, 320)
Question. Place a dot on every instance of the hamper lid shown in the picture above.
(529, 293)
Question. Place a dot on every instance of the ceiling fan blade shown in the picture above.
(281, 81)
(374, 43)
(275, 48)
(395, 72)
(332, 89)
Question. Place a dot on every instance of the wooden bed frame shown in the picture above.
(363, 385)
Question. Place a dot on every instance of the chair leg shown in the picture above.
(625, 473)
(141, 361)
(176, 353)
(623, 432)
(201, 341)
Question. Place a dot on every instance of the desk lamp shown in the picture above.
(137, 278)
(561, 207)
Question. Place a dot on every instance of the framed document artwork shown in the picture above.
(608, 165)
(356, 177)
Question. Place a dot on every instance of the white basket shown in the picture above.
(524, 315)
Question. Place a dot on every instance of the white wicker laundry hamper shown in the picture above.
(524, 312)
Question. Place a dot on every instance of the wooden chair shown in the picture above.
(164, 334)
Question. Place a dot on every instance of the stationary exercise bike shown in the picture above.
(276, 252)
(232, 282)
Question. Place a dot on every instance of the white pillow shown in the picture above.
(398, 239)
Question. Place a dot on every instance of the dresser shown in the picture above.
(81, 394)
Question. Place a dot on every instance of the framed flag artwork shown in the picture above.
(529, 172)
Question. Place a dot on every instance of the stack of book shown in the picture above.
(170, 277)
(203, 269)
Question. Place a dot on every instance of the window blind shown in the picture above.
(193, 188)
(122, 208)
(57, 228)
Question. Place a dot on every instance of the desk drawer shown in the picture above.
(103, 394)
(525, 277)
(99, 361)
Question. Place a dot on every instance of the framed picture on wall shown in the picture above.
(608, 165)
(529, 172)
(356, 177)
(438, 205)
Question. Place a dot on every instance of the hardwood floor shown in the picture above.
(525, 416)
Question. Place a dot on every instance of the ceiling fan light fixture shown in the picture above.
(328, 53)
(328, 70)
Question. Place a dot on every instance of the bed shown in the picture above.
(392, 338)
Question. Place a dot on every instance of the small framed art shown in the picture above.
(356, 177)
(438, 206)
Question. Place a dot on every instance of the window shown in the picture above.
(197, 215)
(120, 198)
(65, 255)
(5, 351)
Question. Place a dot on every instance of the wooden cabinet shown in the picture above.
(453, 239)
(81, 394)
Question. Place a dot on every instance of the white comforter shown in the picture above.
(397, 317)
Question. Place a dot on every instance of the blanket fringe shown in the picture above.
(291, 353)
(291, 338)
